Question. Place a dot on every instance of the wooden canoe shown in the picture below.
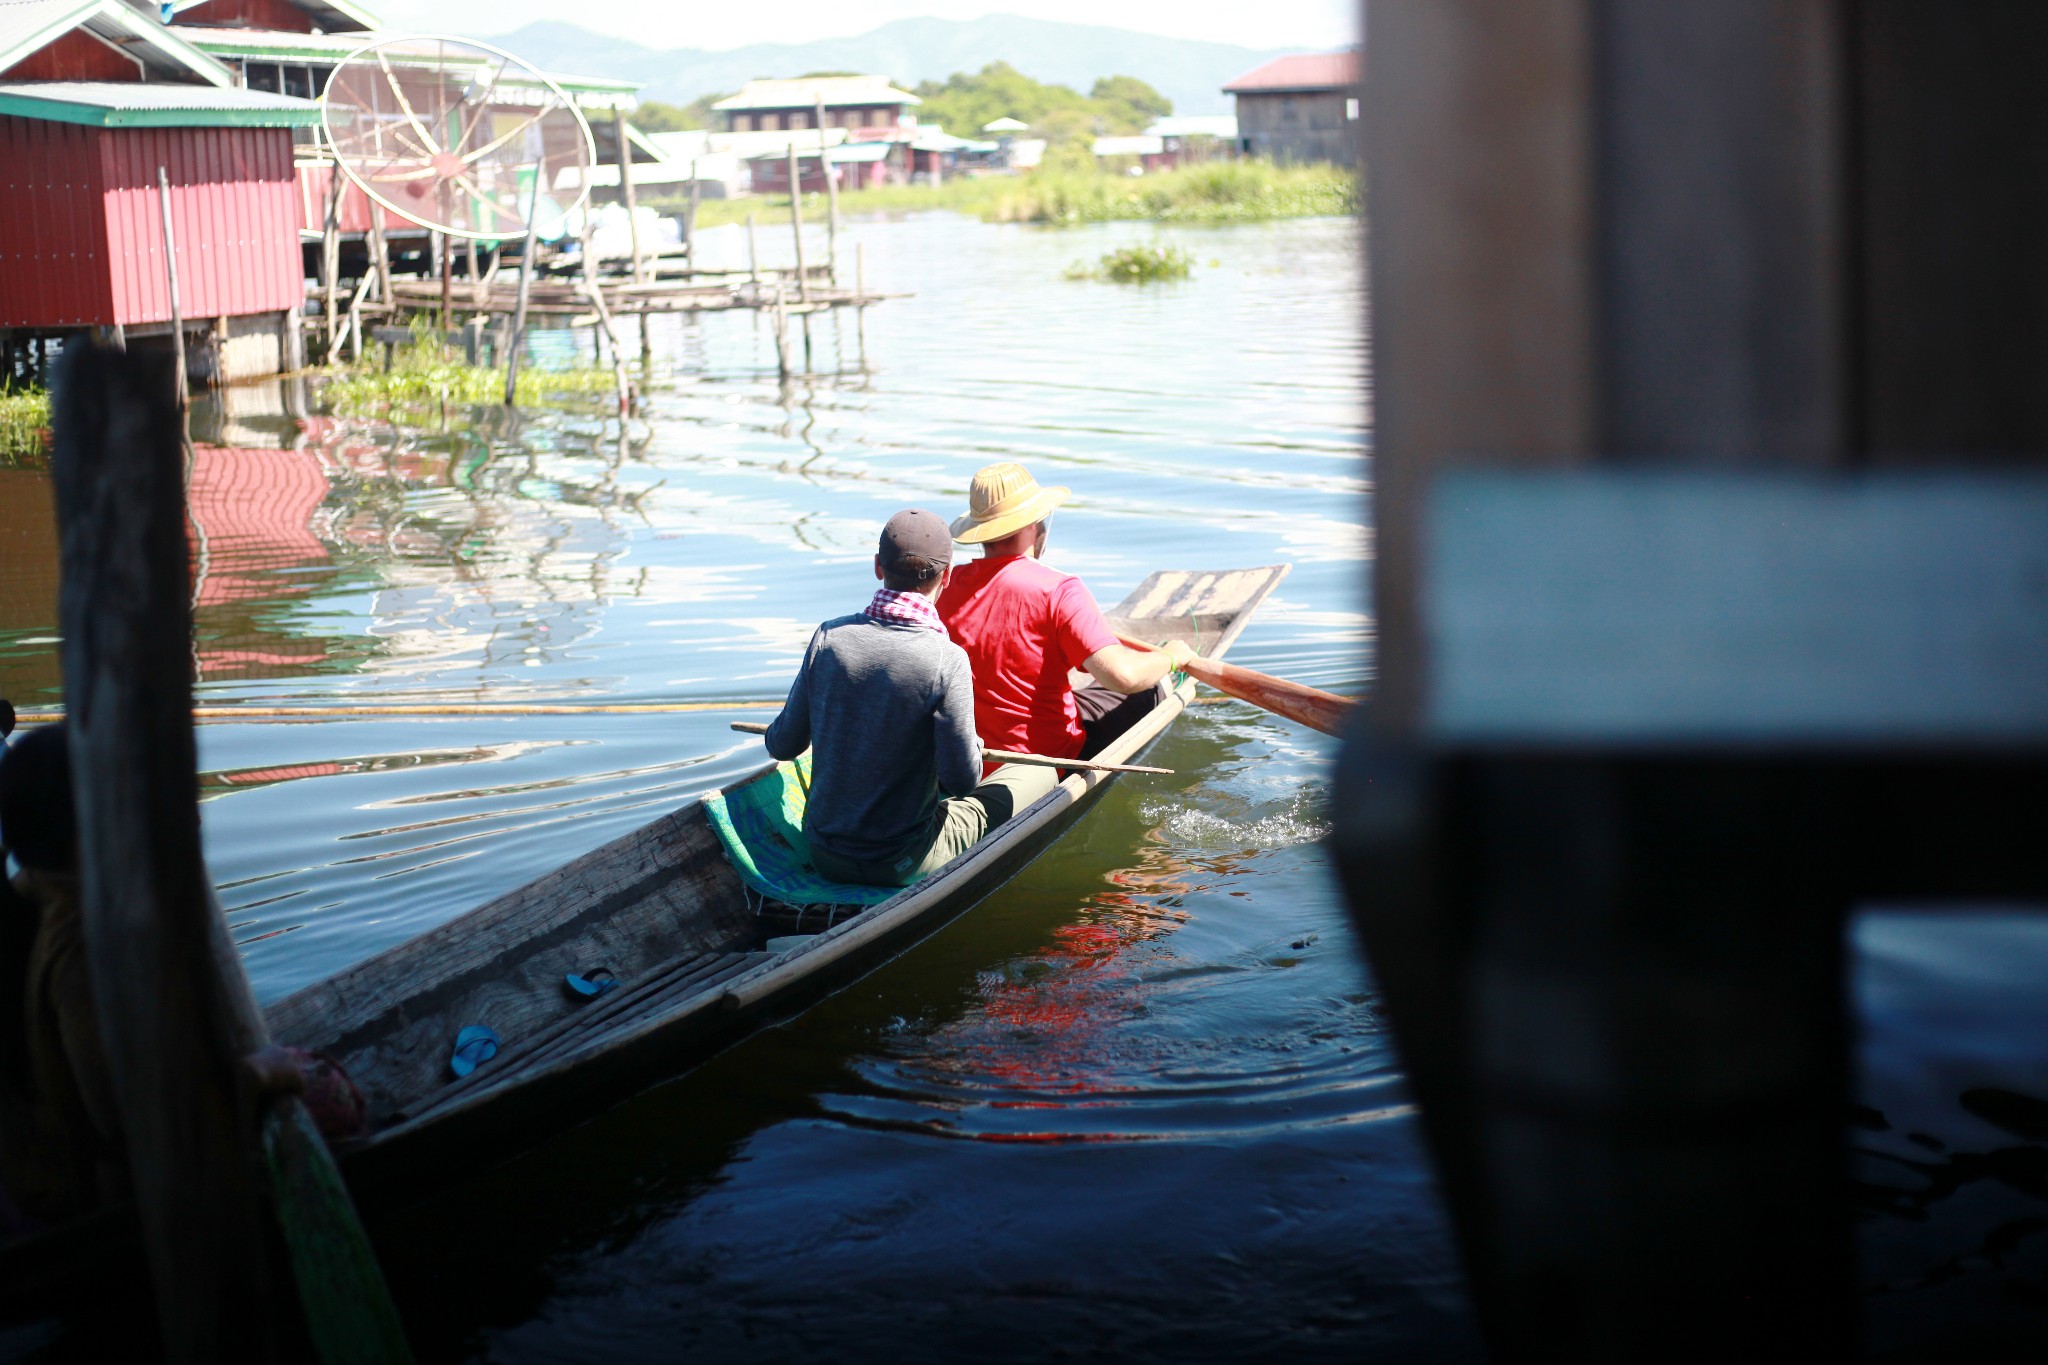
(666, 912)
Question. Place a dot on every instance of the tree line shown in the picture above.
(964, 102)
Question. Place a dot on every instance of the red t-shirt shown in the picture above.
(1023, 626)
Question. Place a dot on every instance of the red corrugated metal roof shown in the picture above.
(1305, 71)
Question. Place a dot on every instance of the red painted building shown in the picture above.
(99, 107)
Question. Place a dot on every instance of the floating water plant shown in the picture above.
(1136, 265)
(425, 373)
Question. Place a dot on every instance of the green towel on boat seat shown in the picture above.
(761, 825)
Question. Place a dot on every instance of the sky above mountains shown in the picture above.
(1306, 24)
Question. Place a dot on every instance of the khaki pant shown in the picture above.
(958, 825)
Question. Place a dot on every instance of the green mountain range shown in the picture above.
(1188, 72)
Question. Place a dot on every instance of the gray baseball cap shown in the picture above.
(916, 532)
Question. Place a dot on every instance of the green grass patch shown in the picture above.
(963, 195)
(24, 423)
(1073, 189)
(1212, 192)
(1136, 265)
(425, 373)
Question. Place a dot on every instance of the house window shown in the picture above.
(1288, 113)
(1351, 109)
(262, 76)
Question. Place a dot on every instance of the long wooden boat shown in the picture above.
(667, 913)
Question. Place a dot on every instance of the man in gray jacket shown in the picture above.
(885, 702)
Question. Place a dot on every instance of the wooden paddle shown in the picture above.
(1319, 710)
(754, 727)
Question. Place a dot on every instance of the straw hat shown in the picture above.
(1004, 498)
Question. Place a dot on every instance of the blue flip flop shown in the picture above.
(474, 1046)
(591, 984)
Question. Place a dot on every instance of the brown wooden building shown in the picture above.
(1300, 109)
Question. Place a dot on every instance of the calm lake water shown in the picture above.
(1139, 1103)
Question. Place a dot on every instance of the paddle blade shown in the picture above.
(1317, 709)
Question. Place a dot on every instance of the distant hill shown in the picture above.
(1188, 72)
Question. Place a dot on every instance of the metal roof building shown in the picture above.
(1300, 108)
(108, 123)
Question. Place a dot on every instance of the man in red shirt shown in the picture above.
(1024, 625)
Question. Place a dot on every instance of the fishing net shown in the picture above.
(761, 825)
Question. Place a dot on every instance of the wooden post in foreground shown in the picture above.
(176, 1018)
(165, 1020)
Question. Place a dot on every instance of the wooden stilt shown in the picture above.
(690, 215)
(781, 333)
(860, 309)
(626, 190)
(604, 326)
(380, 255)
(796, 226)
(163, 189)
(515, 343)
(330, 259)
(831, 202)
(753, 254)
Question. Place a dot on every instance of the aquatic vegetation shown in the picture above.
(1074, 189)
(426, 373)
(1136, 265)
(24, 422)
(1210, 192)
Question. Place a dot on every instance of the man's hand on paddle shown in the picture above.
(1122, 668)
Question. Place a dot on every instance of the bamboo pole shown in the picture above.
(752, 727)
(831, 202)
(240, 715)
(163, 190)
(626, 187)
(753, 254)
(796, 226)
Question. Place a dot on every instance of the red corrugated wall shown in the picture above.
(355, 205)
(81, 234)
(53, 236)
(234, 211)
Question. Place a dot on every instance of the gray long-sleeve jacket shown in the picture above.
(888, 712)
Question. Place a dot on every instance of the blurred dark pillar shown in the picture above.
(1674, 668)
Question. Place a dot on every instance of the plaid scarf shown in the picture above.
(908, 608)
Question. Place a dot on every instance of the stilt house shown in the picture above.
(118, 136)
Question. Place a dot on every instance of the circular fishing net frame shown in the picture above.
(456, 135)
